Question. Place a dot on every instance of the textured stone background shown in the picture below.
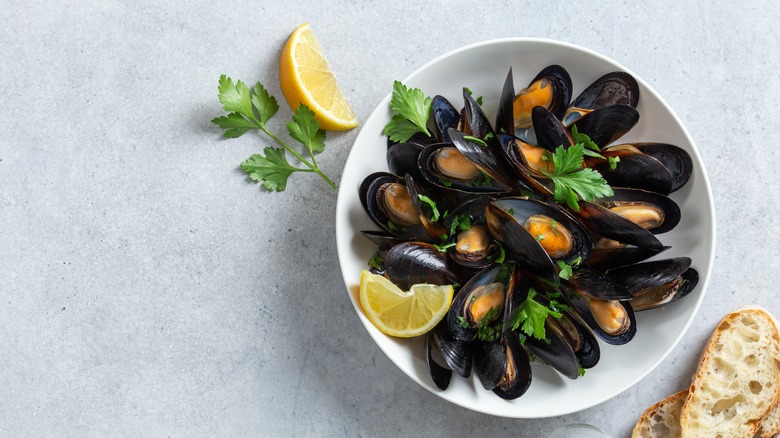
(147, 288)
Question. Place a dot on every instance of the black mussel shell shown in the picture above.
(581, 339)
(489, 363)
(412, 263)
(663, 296)
(645, 277)
(675, 159)
(505, 120)
(594, 284)
(657, 203)
(550, 132)
(456, 315)
(604, 222)
(434, 228)
(370, 193)
(472, 208)
(609, 258)
(605, 125)
(523, 209)
(559, 81)
(402, 159)
(456, 354)
(476, 123)
(445, 116)
(529, 177)
(490, 160)
(515, 383)
(382, 239)
(426, 163)
(520, 246)
(440, 375)
(580, 305)
(556, 351)
(634, 170)
(616, 88)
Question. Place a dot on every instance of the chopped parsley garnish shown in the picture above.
(613, 162)
(432, 204)
(532, 315)
(540, 237)
(392, 226)
(501, 254)
(445, 182)
(412, 110)
(376, 262)
(483, 180)
(487, 330)
(580, 370)
(443, 248)
(571, 179)
(463, 323)
(475, 140)
(461, 222)
(566, 269)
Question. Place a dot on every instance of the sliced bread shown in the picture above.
(770, 424)
(738, 379)
(662, 420)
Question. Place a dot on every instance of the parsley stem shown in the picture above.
(313, 167)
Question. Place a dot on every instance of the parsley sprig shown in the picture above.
(571, 179)
(532, 314)
(412, 110)
(252, 109)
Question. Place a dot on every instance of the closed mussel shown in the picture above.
(615, 88)
(634, 170)
(412, 263)
(675, 159)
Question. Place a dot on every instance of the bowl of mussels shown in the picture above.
(560, 196)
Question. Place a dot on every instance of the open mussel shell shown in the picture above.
(615, 88)
(609, 258)
(675, 159)
(440, 374)
(474, 299)
(664, 295)
(604, 222)
(515, 376)
(550, 132)
(520, 245)
(634, 170)
(474, 247)
(424, 211)
(652, 211)
(648, 277)
(445, 116)
(551, 89)
(490, 160)
(402, 159)
(607, 124)
(558, 234)
(388, 203)
(528, 162)
(581, 338)
(412, 263)
(611, 320)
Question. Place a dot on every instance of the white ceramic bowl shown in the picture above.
(483, 67)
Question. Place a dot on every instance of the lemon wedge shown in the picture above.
(403, 314)
(306, 78)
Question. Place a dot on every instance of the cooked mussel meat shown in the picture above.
(550, 89)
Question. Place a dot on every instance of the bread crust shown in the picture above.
(694, 396)
(670, 406)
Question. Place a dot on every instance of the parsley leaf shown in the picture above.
(432, 204)
(412, 110)
(532, 315)
(580, 370)
(565, 270)
(443, 247)
(272, 169)
(306, 129)
(584, 139)
(571, 179)
(235, 97)
(234, 124)
(613, 162)
(475, 140)
(461, 222)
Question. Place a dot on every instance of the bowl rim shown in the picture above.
(347, 192)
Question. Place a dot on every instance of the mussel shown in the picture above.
(550, 89)
(615, 88)
(412, 263)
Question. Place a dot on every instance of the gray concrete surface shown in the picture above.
(148, 289)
